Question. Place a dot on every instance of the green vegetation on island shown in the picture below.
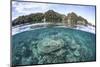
(71, 19)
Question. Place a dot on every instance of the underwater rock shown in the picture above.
(48, 45)
(41, 61)
(74, 46)
(34, 52)
(70, 58)
(34, 42)
(26, 60)
(60, 52)
(58, 60)
(45, 59)
(76, 53)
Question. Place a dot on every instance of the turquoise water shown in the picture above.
(53, 45)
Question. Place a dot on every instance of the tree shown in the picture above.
(32, 18)
(82, 20)
(72, 19)
(52, 16)
(37, 17)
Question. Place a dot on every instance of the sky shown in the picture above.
(25, 8)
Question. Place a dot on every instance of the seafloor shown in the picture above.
(53, 45)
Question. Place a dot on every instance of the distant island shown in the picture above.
(50, 16)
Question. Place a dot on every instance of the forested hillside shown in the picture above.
(71, 19)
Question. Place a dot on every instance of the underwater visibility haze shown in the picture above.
(53, 45)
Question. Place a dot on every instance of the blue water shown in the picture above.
(53, 45)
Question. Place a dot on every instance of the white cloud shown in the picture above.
(27, 7)
(24, 8)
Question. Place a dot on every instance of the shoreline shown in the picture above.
(27, 27)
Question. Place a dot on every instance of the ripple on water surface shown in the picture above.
(53, 45)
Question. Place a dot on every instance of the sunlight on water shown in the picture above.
(53, 45)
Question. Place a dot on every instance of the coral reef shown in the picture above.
(53, 45)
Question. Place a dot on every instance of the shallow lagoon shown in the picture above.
(53, 45)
